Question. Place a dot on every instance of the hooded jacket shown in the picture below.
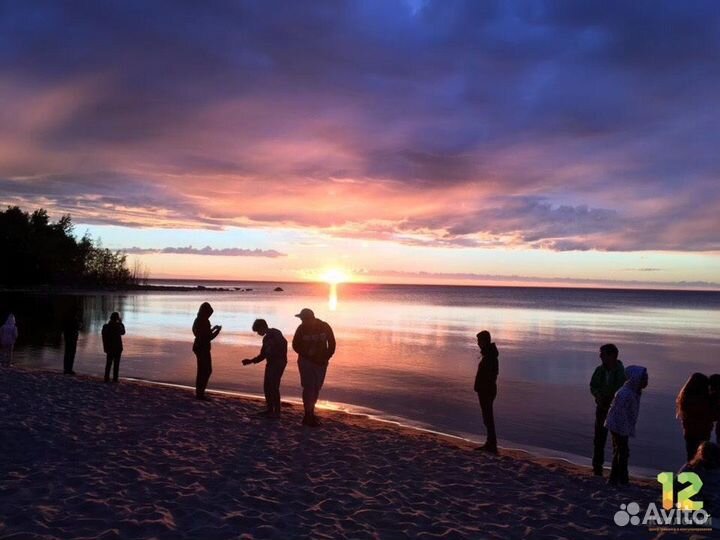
(8, 332)
(488, 368)
(625, 407)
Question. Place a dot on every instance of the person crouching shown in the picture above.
(621, 420)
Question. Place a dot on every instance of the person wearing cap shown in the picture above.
(314, 342)
(274, 352)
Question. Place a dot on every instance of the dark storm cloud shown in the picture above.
(565, 125)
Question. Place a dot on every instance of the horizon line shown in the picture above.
(608, 287)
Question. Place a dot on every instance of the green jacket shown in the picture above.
(604, 384)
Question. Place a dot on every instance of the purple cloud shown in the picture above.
(564, 126)
(207, 250)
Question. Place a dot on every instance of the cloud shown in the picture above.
(207, 250)
(561, 126)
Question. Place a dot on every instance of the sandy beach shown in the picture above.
(82, 459)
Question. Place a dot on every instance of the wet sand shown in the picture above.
(83, 459)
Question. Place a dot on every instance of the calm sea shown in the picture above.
(408, 353)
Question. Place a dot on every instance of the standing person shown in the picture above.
(8, 337)
(715, 403)
(486, 387)
(621, 420)
(274, 352)
(71, 331)
(314, 342)
(204, 334)
(112, 333)
(695, 413)
(607, 379)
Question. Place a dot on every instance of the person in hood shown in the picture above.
(621, 420)
(112, 333)
(8, 337)
(314, 342)
(694, 410)
(486, 387)
(607, 379)
(274, 352)
(204, 333)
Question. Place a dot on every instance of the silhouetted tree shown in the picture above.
(39, 252)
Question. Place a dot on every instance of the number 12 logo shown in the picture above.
(684, 496)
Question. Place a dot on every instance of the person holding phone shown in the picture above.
(204, 333)
(112, 333)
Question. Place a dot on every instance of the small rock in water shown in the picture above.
(278, 289)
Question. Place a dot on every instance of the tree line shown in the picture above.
(39, 252)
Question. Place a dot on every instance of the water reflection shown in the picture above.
(333, 297)
(410, 352)
(40, 317)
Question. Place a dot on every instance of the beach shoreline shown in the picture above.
(134, 460)
(403, 425)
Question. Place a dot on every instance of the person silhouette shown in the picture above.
(486, 387)
(112, 333)
(607, 379)
(314, 342)
(715, 403)
(8, 337)
(71, 332)
(693, 408)
(204, 334)
(622, 419)
(274, 352)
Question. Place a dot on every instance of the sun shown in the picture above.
(334, 276)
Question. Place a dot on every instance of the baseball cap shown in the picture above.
(306, 313)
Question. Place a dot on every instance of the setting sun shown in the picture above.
(334, 276)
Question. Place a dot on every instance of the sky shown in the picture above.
(563, 142)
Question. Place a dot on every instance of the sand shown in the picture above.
(83, 459)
